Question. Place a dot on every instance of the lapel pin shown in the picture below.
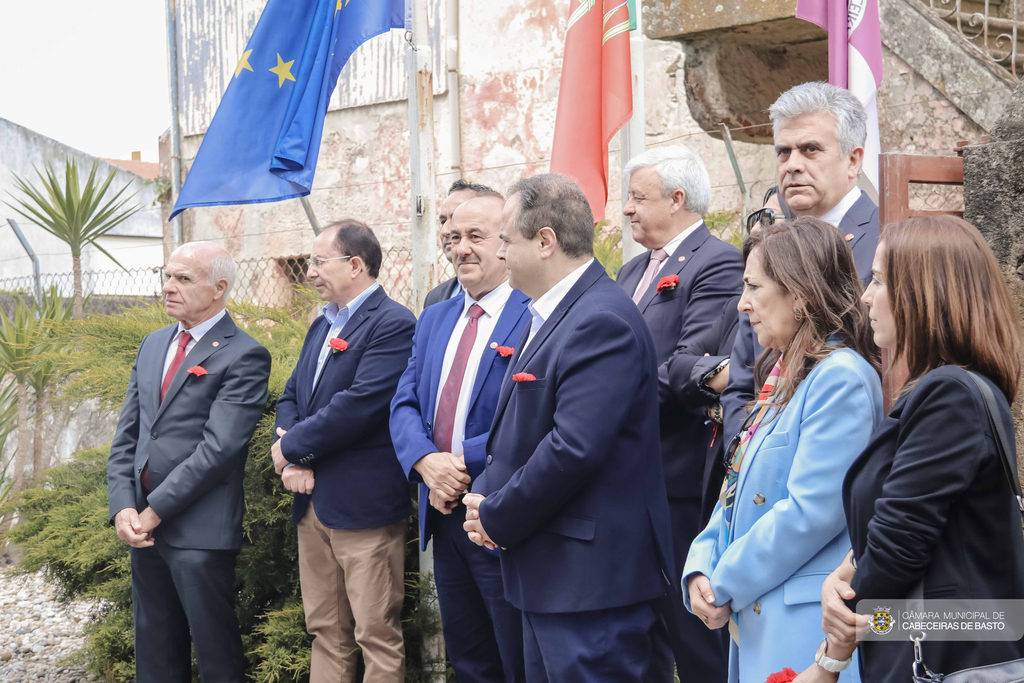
(682, 258)
(849, 237)
(494, 345)
(216, 344)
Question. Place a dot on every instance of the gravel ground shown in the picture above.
(37, 633)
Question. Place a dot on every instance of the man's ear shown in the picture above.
(548, 241)
(357, 264)
(856, 161)
(678, 201)
(221, 288)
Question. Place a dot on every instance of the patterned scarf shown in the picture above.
(738, 448)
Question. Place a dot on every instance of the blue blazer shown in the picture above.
(861, 221)
(340, 429)
(412, 409)
(789, 528)
(574, 486)
(710, 273)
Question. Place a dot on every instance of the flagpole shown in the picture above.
(419, 62)
(633, 136)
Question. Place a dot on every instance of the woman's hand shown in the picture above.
(702, 600)
(815, 674)
(838, 622)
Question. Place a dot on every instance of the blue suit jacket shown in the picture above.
(574, 484)
(710, 273)
(412, 410)
(789, 528)
(340, 429)
(861, 221)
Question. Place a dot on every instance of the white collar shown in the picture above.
(837, 213)
(202, 328)
(332, 309)
(674, 243)
(492, 302)
(546, 304)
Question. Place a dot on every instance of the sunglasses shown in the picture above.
(763, 217)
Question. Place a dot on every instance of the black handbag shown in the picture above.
(1005, 672)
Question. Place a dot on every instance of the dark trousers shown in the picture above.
(707, 651)
(483, 633)
(181, 597)
(582, 647)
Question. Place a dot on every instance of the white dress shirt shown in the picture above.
(338, 316)
(493, 304)
(670, 248)
(543, 307)
(197, 333)
(837, 213)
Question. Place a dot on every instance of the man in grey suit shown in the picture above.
(174, 478)
(459, 193)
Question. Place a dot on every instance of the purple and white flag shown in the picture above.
(854, 59)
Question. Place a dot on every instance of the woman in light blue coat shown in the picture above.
(779, 528)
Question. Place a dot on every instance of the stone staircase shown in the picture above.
(995, 27)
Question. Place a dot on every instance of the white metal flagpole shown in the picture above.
(633, 136)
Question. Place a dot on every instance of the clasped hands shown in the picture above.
(297, 478)
(702, 600)
(446, 477)
(135, 528)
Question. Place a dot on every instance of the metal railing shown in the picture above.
(992, 27)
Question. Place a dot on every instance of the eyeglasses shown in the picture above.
(763, 217)
(318, 262)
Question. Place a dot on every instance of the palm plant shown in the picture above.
(52, 311)
(8, 421)
(18, 334)
(76, 214)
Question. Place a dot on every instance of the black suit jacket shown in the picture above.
(710, 272)
(196, 441)
(686, 368)
(928, 499)
(860, 224)
(340, 427)
(442, 292)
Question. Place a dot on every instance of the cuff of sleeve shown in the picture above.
(701, 371)
(291, 456)
(490, 532)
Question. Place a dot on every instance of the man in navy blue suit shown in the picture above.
(820, 130)
(440, 419)
(573, 485)
(680, 286)
(335, 453)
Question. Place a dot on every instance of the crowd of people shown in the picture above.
(687, 470)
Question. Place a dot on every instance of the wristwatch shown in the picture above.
(827, 663)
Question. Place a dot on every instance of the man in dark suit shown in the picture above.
(460, 191)
(440, 419)
(335, 453)
(174, 478)
(573, 485)
(680, 286)
(820, 131)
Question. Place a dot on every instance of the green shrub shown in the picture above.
(64, 529)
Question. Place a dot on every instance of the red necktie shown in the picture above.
(444, 420)
(179, 357)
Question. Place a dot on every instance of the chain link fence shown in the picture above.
(264, 281)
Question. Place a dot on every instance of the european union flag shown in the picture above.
(264, 140)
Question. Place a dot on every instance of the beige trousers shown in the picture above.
(353, 585)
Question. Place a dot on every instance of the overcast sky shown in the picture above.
(89, 73)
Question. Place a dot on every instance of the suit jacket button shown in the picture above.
(758, 499)
(140, 470)
(153, 436)
(757, 608)
(489, 459)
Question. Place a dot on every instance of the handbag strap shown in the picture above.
(1007, 454)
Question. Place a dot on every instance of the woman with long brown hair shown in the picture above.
(929, 505)
(779, 528)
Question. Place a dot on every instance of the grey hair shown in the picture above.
(839, 103)
(679, 169)
(222, 266)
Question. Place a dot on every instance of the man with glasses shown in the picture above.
(335, 453)
(820, 131)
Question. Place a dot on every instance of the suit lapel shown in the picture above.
(441, 338)
(674, 266)
(508, 384)
(354, 322)
(857, 217)
(217, 338)
(153, 366)
(510, 316)
(631, 278)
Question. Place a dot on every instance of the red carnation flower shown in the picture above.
(337, 345)
(197, 370)
(784, 676)
(523, 377)
(668, 282)
(505, 351)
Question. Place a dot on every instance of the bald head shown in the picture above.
(474, 229)
(197, 279)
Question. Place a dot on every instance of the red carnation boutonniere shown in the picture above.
(505, 351)
(523, 377)
(785, 676)
(337, 345)
(197, 370)
(669, 283)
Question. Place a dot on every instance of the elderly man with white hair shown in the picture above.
(820, 131)
(174, 477)
(680, 285)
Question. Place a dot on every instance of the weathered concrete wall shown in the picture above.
(135, 243)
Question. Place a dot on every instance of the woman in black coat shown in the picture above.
(928, 500)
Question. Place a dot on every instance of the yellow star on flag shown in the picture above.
(283, 71)
(243, 63)
(338, 7)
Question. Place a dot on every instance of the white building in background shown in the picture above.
(137, 243)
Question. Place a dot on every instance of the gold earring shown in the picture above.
(798, 314)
